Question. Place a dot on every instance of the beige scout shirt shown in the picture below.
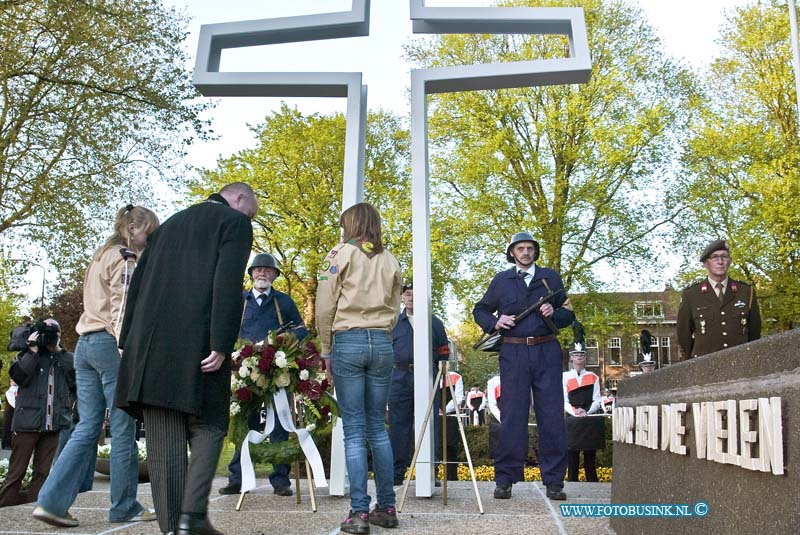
(356, 290)
(104, 289)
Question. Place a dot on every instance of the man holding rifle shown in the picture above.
(530, 360)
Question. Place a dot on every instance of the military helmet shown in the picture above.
(263, 260)
(519, 237)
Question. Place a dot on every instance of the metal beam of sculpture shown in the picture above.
(483, 20)
(214, 38)
(437, 20)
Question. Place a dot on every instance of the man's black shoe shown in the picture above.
(233, 488)
(502, 492)
(283, 491)
(555, 493)
(195, 526)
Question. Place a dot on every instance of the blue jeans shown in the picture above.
(362, 363)
(96, 367)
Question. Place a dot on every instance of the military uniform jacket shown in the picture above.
(403, 343)
(508, 294)
(707, 324)
(258, 320)
(185, 300)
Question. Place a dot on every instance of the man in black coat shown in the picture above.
(181, 324)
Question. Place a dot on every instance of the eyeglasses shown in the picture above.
(722, 257)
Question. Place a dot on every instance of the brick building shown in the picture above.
(612, 336)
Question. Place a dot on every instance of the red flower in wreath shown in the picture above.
(325, 410)
(244, 395)
(311, 389)
(246, 352)
(267, 358)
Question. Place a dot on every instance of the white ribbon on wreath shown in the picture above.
(309, 447)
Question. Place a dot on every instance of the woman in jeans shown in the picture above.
(358, 299)
(96, 365)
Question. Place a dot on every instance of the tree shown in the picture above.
(582, 166)
(296, 171)
(94, 108)
(10, 315)
(742, 180)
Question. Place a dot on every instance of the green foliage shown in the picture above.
(10, 316)
(579, 165)
(94, 108)
(742, 180)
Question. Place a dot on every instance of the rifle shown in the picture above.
(285, 327)
(494, 339)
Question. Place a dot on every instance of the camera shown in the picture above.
(48, 334)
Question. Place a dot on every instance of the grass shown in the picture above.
(262, 470)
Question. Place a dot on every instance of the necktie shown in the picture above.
(524, 276)
(262, 299)
(720, 291)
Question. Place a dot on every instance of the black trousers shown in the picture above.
(42, 446)
(179, 486)
(589, 464)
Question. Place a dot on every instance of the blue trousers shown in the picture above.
(362, 362)
(279, 478)
(524, 369)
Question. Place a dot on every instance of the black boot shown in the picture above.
(196, 526)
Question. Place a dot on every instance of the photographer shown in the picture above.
(46, 379)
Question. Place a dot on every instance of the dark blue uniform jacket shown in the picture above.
(259, 320)
(508, 294)
(403, 341)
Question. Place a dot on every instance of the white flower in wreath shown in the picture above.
(244, 371)
(235, 355)
(235, 408)
(262, 381)
(253, 361)
(303, 375)
(283, 380)
(254, 375)
(280, 360)
(310, 428)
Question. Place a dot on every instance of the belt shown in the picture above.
(404, 367)
(530, 340)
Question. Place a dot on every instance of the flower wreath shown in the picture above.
(260, 370)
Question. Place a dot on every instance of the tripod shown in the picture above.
(443, 371)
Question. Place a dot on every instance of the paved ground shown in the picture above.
(262, 513)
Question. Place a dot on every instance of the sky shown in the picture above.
(688, 29)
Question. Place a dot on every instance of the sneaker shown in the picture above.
(356, 522)
(66, 521)
(502, 492)
(555, 493)
(385, 517)
(145, 515)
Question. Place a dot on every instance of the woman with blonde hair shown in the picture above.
(96, 365)
(358, 301)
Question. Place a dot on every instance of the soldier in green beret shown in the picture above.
(717, 312)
